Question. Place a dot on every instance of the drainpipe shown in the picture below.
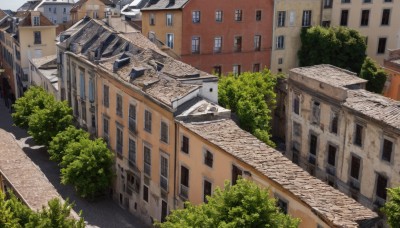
(273, 33)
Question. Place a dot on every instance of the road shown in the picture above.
(102, 213)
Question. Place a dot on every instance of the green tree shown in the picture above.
(46, 123)
(60, 142)
(392, 207)
(340, 46)
(7, 216)
(252, 97)
(241, 205)
(87, 166)
(34, 98)
(375, 75)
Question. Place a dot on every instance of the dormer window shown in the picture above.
(36, 21)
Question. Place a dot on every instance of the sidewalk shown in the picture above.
(103, 213)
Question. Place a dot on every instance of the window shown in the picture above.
(119, 146)
(91, 89)
(152, 20)
(346, 1)
(196, 16)
(387, 0)
(281, 18)
(364, 17)
(36, 21)
(280, 42)
(218, 16)
(217, 44)
(164, 172)
(237, 44)
(334, 122)
(327, 4)
(326, 23)
(132, 152)
(169, 19)
(82, 84)
(145, 193)
(119, 105)
(164, 132)
(358, 135)
(316, 110)
(208, 158)
(106, 130)
(306, 22)
(258, 15)
(65, 11)
(147, 121)
(217, 70)
(236, 172)
(385, 17)
(292, 16)
(236, 69)
(282, 204)
(207, 189)
(387, 149)
(170, 40)
(195, 45)
(313, 144)
(132, 118)
(296, 129)
(296, 103)
(381, 185)
(106, 91)
(280, 60)
(238, 15)
(147, 160)
(332, 155)
(184, 182)
(185, 144)
(83, 106)
(367, 1)
(37, 38)
(257, 42)
(355, 167)
(381, 45)
(344, 17)
(256, 67)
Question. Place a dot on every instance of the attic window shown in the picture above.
(36, 21)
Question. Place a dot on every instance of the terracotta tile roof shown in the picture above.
(328, 203)
(329, 74)
(165, 5)
(27, 21)
(374, 106)
(38, 62)
(26, 178)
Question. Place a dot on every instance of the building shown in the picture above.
(57, 11)
(343, 134)
(290, 17)
(378, 21)
(151, 108)
(43, 72)
(217, 37)
(96, 9)
(391, 64)
(20, 175)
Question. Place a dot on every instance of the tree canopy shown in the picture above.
(375, 75)
(340, 46)
(15, 214)
(60, 142)
(252, 97)
(87, 165)
(241, 205)
(392, 207)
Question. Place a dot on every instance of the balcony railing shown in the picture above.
(164, 183)
(184, 191)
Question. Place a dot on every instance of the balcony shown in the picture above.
(184, 192)
(164, 183)
(147, 169)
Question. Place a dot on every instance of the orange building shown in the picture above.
(392, 66)
(214, 36)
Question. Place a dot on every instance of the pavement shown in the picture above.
(100, 213)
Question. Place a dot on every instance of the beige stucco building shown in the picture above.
(343, 134)
(290, 17)
(96, 9)
(378, 21)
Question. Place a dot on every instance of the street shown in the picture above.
(102, 213)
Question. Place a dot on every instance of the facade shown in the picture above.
(290, 17)
(341, 133)
(57, 11)
(391, 64)
(217, 37)
(378, 21)
(158, 115)
(96, 9)
(43, 72)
